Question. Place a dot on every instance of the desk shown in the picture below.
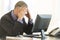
(19, 38)
(28, 38)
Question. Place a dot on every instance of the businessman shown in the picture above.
(13, 23)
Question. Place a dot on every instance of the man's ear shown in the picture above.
(18, 9)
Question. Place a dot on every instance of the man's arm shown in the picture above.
(30, 23)
(28, 30)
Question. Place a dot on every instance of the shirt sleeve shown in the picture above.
(20, 21)
(30, 21)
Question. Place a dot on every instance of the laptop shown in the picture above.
(41, 22)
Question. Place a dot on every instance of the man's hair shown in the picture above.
(20, 4)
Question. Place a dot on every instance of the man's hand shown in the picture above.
(28, 15)
(20, 15)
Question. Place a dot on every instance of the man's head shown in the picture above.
(20, 6)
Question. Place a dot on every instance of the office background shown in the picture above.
(51, 7)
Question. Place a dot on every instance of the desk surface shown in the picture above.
(28, 38)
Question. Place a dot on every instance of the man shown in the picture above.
(13, 22)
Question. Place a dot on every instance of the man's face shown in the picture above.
(22, 10)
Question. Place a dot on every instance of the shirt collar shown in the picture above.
(13, 15)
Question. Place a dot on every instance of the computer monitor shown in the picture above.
(41, 22)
